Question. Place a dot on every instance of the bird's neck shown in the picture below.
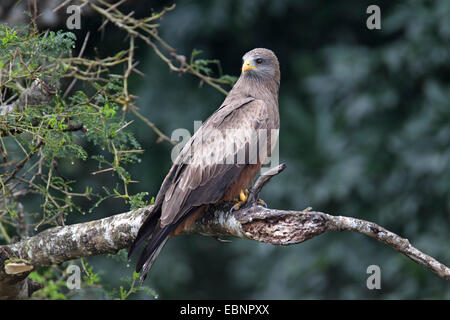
(258, 89)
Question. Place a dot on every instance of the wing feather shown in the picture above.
(205, 174)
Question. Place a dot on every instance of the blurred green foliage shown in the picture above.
(40, 128)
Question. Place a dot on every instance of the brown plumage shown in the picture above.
(217, 162)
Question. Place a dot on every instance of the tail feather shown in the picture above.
(157, 238)
(154, 244)
(145, 231)
(150, 259)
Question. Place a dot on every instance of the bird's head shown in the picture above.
(260, 64)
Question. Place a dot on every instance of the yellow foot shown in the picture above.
(262, 203)
(243, 196)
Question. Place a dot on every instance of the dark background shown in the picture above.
(365, 132)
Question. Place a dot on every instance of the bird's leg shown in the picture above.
(243, 196)
(262, 202)
(245, 200)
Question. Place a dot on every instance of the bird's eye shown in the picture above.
(259, 61)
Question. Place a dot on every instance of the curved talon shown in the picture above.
(235, 207)
(243, 196)
(262, 203)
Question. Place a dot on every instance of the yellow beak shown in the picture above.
(247, 66)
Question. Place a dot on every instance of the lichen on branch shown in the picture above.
(254, 222)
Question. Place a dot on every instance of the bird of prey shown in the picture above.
(218, 162)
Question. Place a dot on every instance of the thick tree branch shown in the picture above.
(108, 235)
